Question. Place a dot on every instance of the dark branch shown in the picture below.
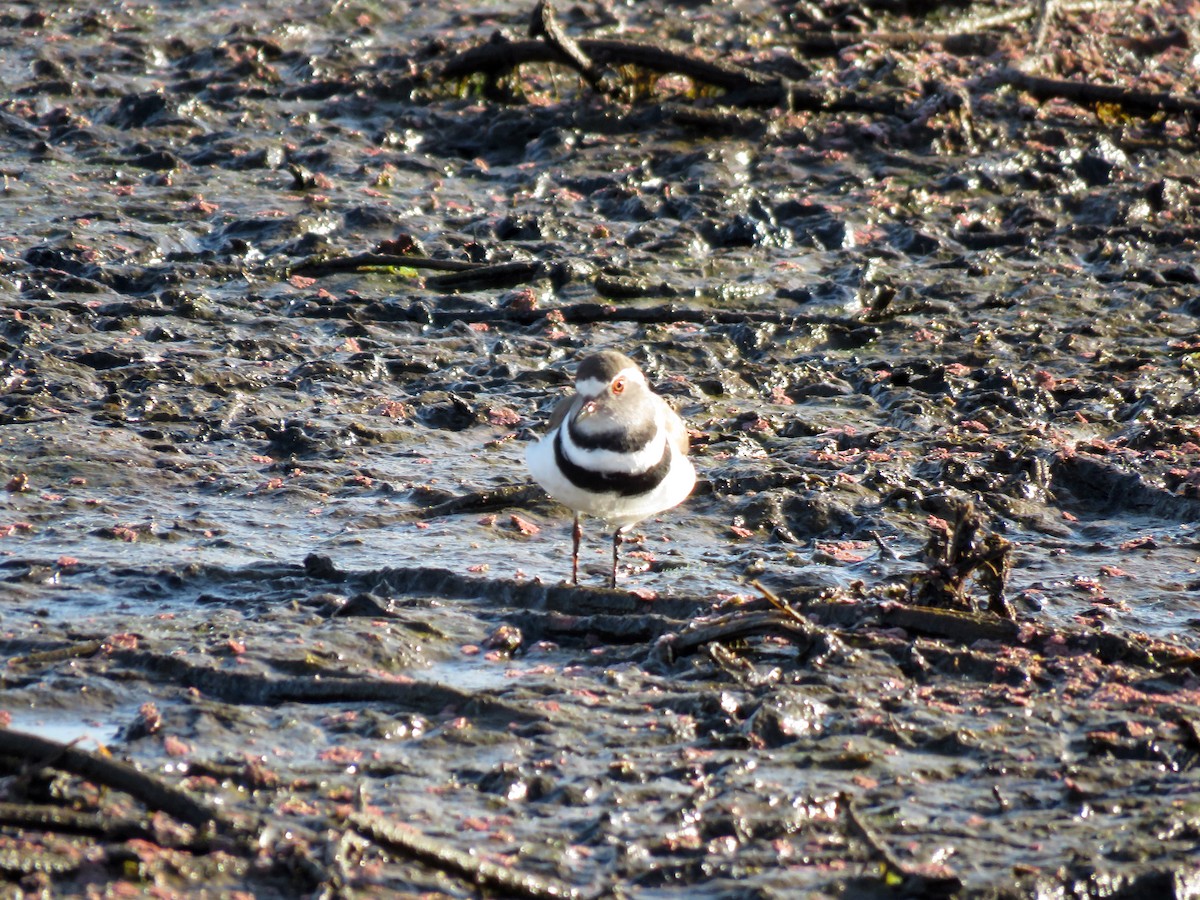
(1088, 94)
(149, 790)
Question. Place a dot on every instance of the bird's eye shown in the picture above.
(618, 386)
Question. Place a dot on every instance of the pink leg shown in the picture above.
(577, 536)
(618, 536)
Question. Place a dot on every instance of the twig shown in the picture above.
(741, 624)
(379, 261)
(1029, 10)
(1000, 19)
(1089, 94)
(970, 37)
(916, 883)
(743, 87)
(492, 277)
(46, 657)
(1047, 10)
(775, 600)
(957, 625)
(117, 775)
(461, 275)
(480, 501)
(861, 830)
(544, 24)
(968, 627)
(961, 43)
(406, 840)
(498, 56)
(717, 120)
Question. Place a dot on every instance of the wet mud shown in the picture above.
(286, 290)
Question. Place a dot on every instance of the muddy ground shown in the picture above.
(286, 289)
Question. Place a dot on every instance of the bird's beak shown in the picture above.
(587, 409)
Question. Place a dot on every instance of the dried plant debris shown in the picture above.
(617, 67)
(963, 556)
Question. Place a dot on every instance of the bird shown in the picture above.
(614, 450)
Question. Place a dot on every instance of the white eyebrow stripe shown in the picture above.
(591, 387)
(594, 387)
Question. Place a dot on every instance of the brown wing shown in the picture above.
(676, 430)
(560, 411)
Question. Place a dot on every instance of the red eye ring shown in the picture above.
(618, 385)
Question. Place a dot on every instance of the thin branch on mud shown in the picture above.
(360, 261)
(949, 624)
(74, 650)
(779, 603)
(1046, 12)
(502, 55)
(146, 788)
(819, 43)
(915, 882)
(406, 840)
(744, 87)
(1086, 94)
(740, 625)
(544, 24)
(493, 277)
(966, 628)
(1028, 11)
(461, 275)
(714, 120)
(482, 501)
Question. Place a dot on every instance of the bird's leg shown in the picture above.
(618, 536)
(577, 537)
